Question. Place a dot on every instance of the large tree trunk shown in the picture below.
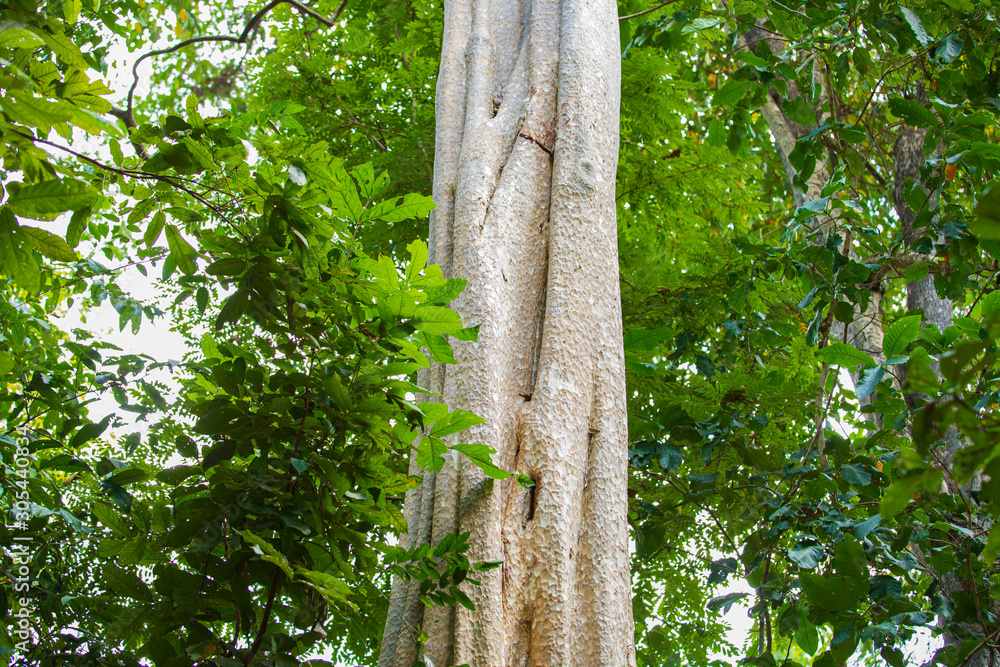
(527, 145)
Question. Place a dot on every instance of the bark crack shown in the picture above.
(537, 142)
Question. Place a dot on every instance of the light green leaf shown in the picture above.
(181, 250)
(482, 457)
(71, 10)
(437, 320)
(418, 258)
(13, 35)
(439, 348)
(430, 454)
(414, 206)
(17, 261)
(898, 495)
(50, 245)
(731, 93)
(455, 421)
(267, 552)
(843, 354)
(903, 332)
(53, 196)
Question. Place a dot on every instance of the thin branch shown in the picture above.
(647, 11)
(266, 618)
(128, 116)
(133, 173)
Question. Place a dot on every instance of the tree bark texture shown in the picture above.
(527, 146)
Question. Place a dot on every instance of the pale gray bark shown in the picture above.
(526, 154)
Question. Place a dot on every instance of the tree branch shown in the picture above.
(647, 11)
(127, 114)
(267, 617)
(133, 173)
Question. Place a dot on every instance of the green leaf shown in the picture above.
(414, 206)
(437, 320)
(77, 225)
(418, 258)
(71, 10)
(332, 588)
(53, 196)
(126, 583)
(455, 421)
(852, 564)
(177, 474)
(862, 528)
(267, 552)
(216, 421)
(723, 603)
(986, 226)
(445, 294)
(439, 348)
(844, 354)
(830, 593)
(430, 454)
(111, 518)
(89, 432)
(647, 339)
(12, 37)
(482, 457)
(912, 112)
(731, 93)
(806, 637)
(903, 332)
(917, 26)
(856, 474)
(35, 112)
(862, 60)
(992, 544)
(154, 229)
(50, 245)
(898, 495)
(868, 380)
(181, 250)
(807, 556)
(470, 334)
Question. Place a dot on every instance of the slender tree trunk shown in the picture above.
(527, 146)
(922, 295)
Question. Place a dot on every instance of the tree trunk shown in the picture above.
(527, 146)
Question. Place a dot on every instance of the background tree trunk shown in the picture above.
(526, 154)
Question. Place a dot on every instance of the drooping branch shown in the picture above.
(127, 114)
(131, 173)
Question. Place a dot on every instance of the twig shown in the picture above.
(133, 173)
(647, 11)
(127, 115)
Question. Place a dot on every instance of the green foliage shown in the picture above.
(246, 500)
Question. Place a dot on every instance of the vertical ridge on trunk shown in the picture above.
(527, 146)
